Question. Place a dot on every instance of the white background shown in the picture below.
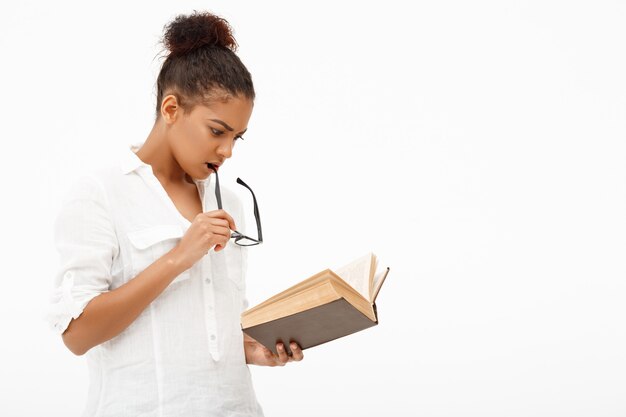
(476, 147)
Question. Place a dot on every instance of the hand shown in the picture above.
(208, 230)
(257, 354)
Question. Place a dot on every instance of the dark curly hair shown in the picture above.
(201, 65)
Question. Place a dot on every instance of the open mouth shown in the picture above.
(211, 166)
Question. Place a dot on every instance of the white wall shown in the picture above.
(477, 147)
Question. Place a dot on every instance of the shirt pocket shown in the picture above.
(151, 243)
(228, 262)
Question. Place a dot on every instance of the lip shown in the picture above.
(216, 166)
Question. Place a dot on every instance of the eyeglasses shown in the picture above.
(240, 238)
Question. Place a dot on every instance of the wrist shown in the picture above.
(176, 260)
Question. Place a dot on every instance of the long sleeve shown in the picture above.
(87, 244)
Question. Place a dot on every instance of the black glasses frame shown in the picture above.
(240, 238)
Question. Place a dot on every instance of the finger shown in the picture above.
(220, 245)
(223, 215)
(283, 358)
(220, 241)
(297, 354)
(218, 221)
(220, 230)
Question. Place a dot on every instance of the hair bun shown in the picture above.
(189, 32)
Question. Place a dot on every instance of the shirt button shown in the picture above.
(207, 280)
(212, 337)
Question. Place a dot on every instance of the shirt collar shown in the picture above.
(130, 162)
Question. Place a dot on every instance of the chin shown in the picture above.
(191, 178)
(205, 176)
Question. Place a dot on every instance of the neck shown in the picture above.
(157, 153)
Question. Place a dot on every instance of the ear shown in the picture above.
(170, 109)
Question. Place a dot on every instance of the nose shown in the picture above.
(226, 149)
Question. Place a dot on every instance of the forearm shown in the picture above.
(108, 314)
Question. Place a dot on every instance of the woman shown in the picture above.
(140, 291)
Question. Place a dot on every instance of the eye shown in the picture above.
(238, 137)
(216, 132)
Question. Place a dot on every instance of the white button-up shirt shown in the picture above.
(183, 355)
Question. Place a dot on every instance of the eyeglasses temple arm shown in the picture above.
(218, 194)
(257, 216)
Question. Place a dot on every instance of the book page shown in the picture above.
(357, 274)
(379, 279)
(373, 270)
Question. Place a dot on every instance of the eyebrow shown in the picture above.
(227, 127)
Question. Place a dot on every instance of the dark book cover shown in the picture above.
(312, 327)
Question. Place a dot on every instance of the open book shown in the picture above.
(324, 307)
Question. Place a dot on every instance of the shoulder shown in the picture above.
(86, 186)
(91, 184)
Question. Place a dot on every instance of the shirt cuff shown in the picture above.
(68, 303)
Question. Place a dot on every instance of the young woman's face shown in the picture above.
(208, 134)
